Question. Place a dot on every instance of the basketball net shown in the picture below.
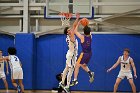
(65, 19)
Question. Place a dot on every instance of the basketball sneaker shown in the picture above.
(74, 82)
(18, 89)
(62, 85)
(67, 89)
(91, 77)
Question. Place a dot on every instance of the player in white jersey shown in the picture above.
(16, 69)
(2, 72)
(71, 55)
(126, 63)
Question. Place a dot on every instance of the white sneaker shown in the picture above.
(92, 77)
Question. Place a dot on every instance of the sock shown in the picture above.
(89, 72)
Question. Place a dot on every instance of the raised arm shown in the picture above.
(134, 68)
(76, 21)
(115, 65)
(7, 71)
(77, 33)
(3, 59)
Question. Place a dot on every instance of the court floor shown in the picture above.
(45, 91)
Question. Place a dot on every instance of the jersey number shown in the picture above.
(16, 59)
(68, 42)
(124, 66)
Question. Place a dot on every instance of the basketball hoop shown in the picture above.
(65, 18)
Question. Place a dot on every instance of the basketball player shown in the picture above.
(16, 69)
(2, 73)
(85, 55)
(71, 55)
(126, 62)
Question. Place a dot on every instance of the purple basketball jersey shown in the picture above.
(86, 45)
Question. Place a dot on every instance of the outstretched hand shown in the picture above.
(109, 70)
(135, 76)
(77, 15)
(79, 22)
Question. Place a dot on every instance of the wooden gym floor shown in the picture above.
(45, 91)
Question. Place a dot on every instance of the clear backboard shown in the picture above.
(54, 7)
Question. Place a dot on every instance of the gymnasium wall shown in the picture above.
(26, 47)
(51, 50)
(44, 57)
(5, 42)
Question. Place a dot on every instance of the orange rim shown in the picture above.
(67, 15)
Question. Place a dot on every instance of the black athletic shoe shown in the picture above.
(74, 82)
(67, 89)
(18, 89)
(62, 85)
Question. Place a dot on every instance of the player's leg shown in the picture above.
(21, 85)
(118, 80)
(14, 83)
(85, 67)
(20, 79)
(86, 58)
(71, 69)
(3, 77)
(75, 67)
(91, 74)
(130, 79)
(132, 85)
(70, 72)
(69, 75)
(76, 72)
(78, 65)
(65, 71)
(68, 64)
(14, 75)
(5, 83)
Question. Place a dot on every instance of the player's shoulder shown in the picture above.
(12, 56)
(120, 57)
(130, 58)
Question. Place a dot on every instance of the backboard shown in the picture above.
(54, 7)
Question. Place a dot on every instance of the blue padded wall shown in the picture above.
(106, 50)
(5, 42)
(51, 50)
(26, 51)
(44, 57)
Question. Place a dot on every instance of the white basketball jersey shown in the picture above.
(14, 62)
(125, 65)
(73, 46)
(1, 66)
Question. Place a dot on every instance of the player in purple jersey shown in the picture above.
(85, 55)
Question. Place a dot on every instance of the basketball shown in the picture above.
(84, 21)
